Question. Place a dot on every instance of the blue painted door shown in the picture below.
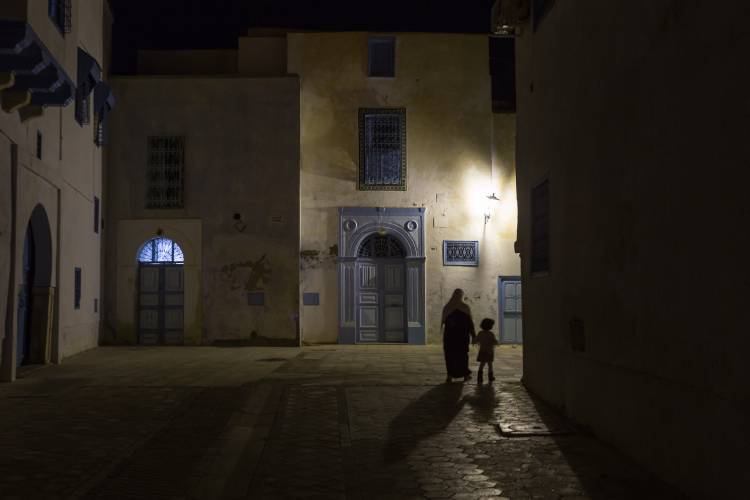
(381, 311)
(511, 327)
(160, 304)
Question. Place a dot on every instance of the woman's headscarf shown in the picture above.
(456, 303)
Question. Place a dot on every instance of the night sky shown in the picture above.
(205, 24)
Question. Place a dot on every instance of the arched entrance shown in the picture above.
(381, 275)
(160, 292)
(33, 332)
(381, 290)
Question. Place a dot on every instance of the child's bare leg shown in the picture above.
(490, 374)
(481, 368)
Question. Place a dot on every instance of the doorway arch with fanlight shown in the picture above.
(381, 275)
(161, 292)
(381, 309)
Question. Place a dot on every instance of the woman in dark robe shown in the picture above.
(458, 332)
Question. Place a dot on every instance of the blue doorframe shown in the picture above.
(356, 224)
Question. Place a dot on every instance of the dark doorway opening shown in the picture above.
(35, 295)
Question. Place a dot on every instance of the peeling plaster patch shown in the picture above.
(312, 259)
(260, 274)
(309, 255)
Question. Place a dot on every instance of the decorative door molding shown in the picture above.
(406, 224)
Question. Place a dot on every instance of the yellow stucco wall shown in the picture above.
(241, 157)
(443, 82)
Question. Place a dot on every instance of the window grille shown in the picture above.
(377, 246)
(382, 149)
(166, 159)
(77, 289)
(540, 228)
(161, 250)
(460, 253)
(382, 56)
(96, 214)
(60, 12)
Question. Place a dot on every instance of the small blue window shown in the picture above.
(161, 250)
(39, 142)
(77, 289)
(96, 214)
(382, 56)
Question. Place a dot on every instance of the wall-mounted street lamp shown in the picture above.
(491, 197)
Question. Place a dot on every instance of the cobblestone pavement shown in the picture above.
(322, 422)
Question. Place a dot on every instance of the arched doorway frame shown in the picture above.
(35, 297)
(406, 224)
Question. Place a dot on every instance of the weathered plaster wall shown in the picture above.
(64, 182)
(443, 82)
(638, 116)
(241, 157)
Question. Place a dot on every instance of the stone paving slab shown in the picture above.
(323, 422)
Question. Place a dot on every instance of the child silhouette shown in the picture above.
(487, 342)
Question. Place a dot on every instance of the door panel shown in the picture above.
(394, 277)
(161, 304)
(511, 312)
(368, 276)
(150, 279)
(368, 298)
(381, 302)
(368, 317)
(173, 279)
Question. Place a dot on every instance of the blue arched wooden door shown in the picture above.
(161, 292)
(381, 295)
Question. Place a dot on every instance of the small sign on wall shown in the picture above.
(311, 299)
(256, 298)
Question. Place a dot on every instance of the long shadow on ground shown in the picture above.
(421, 419)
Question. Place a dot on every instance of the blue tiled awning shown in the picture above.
(36, 79)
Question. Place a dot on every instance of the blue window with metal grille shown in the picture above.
(77, 288)
(159, 251)
(60, 14)
(382, 149)
(166, 161)
(460, 253)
